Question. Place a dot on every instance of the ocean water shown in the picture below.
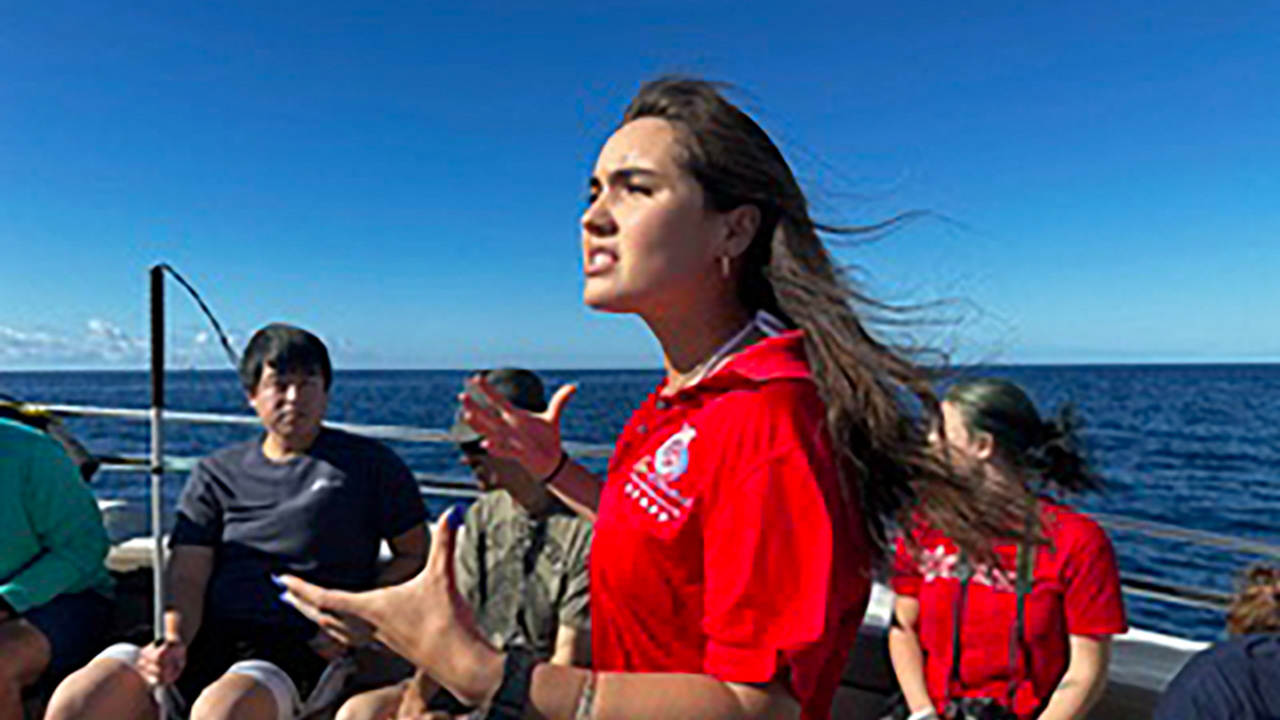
(1193, 446)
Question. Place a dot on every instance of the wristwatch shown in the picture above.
(513, 694)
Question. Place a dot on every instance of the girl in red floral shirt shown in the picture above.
(1051, 664)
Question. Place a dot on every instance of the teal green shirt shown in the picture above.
(51, 536)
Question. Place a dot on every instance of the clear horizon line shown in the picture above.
(656, 368)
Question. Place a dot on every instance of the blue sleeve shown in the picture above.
(67, 525)
(401, 503)
(199, 520)
(1204, 690)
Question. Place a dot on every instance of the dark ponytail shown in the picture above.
(1059, 457)
(1048, 449)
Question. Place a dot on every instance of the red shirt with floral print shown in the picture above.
(1075, 591)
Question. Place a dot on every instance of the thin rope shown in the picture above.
(232, 356)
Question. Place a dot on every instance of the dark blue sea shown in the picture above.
(1193, 446)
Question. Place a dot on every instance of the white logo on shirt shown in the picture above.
(653, 478)
(672, 458)
(322, 483)
(939, 564)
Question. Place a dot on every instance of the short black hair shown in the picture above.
(286, 349)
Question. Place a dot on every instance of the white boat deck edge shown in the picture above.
(1142, 661)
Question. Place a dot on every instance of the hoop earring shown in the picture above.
(725, 268)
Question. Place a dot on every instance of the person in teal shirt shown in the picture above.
(55, 606)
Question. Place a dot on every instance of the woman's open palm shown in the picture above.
(425, 619)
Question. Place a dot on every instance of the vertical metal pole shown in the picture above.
(157, 467)
(157, 443)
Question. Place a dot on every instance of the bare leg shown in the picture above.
(26, 655)
(104, 689)
(235, 697)
(380, 704)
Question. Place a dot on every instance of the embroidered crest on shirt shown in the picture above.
(653, 481)
(672, 458)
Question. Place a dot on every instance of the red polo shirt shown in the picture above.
(723, 545)
(1075, 591)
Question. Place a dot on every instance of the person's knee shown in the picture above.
(354, 709)
(26, 653)
(103, 687)
(237, 696)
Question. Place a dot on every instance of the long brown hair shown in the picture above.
(879, 400)
(1256, 606)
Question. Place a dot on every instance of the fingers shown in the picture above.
(491, 396)
(558, 401)
(348, 630)
(171, 667)
(532, 439)
(149, 669)
(443, 537)
(161, 664)
(502, 407)
(483, 419)
(309, 611)
(345, 628)
(300, 593)
(488, 400)
(338, 628)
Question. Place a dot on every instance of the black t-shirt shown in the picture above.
(320, 516)
(1238, 679)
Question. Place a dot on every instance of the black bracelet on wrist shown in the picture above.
(564, 460)
(517, 680)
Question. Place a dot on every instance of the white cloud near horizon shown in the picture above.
(103, 344)
(18, 345)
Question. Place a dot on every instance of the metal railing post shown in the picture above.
(157, 461)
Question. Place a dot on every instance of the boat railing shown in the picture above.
(1137, 584)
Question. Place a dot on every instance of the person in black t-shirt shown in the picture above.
(1238, 679)
(302, 499)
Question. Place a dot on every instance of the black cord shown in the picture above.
(217, 327)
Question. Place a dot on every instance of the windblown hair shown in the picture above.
(879, 400)
(1048, 449)
(286, 349)
(1256, 607)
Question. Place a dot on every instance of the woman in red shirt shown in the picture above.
(745, 498)
(1056, 667)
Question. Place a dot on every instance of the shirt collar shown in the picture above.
(777, 357)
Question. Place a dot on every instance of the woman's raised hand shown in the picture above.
(530, 438)
(424, 619)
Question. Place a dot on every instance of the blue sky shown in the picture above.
(406, 178)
